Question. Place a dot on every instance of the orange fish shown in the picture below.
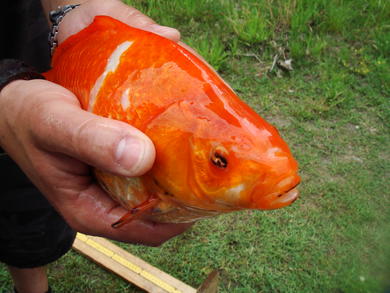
(214, 154)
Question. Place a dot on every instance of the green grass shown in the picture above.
(333, 109)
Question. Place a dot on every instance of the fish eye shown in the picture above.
(218, 157)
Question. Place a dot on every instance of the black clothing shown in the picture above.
(24, 31)
(32, 233)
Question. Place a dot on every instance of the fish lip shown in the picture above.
(277, 201)
(290, 190)
(286, 198)
(289, 196)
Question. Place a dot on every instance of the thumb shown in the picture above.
(59, 125)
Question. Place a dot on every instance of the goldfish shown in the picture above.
(214, 154)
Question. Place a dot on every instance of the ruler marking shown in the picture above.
(100, 248)
(127, 264)
(159, 282)
(124, 262)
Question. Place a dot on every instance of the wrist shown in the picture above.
(56, 17)
(12, 69)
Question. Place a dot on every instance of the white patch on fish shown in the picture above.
(112, 64)
(235, 191)
(125, 100)
(231, 196)
(273, 152)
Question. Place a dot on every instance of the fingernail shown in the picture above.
(130, 154)
(166, 32)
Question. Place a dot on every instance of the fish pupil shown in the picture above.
(218, 160)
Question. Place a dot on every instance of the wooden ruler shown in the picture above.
(128, 266)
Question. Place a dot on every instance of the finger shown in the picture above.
(92, 212)
(135, 18)
(82, 16)
(57, 124)
(164, 31)
(88, 209)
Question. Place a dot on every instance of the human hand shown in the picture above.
(44, 130)
(52, 140)
(82, 16)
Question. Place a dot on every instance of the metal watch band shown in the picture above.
(12, 69)
(56, 17)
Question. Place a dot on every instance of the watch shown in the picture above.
(12, 69)
(56, 17)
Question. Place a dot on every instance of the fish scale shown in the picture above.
(214, 154)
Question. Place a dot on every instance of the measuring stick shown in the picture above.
(128, 266)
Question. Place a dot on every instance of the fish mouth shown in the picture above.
(278, 201)
(288, 197)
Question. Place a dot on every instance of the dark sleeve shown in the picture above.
(23, 36)
(23, 33)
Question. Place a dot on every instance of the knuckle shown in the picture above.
(95, 140)
(83, 130)
(82, 137)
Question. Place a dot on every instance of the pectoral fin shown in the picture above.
(136, 212)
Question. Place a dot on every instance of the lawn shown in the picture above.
(332, 106)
